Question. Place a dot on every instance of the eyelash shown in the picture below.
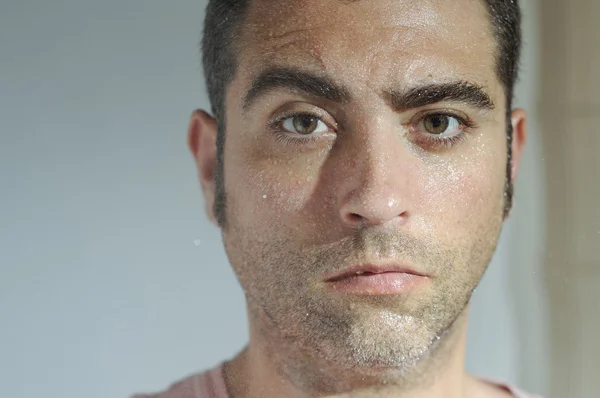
(430, 141)
(283, 136)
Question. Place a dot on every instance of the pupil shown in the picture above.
(306, 121)
(436, 124)
(305, 124)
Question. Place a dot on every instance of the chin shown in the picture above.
(379, 342)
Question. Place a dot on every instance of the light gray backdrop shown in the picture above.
(111, 279)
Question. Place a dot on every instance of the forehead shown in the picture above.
(372, 42)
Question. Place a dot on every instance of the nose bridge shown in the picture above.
(376, 162)
(376, 188)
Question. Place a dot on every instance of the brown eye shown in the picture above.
(437, 124)
(304, 124)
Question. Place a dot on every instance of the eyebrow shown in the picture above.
(323, 87)
(461, 91)
(295, 79)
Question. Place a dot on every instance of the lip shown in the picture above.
(376, 280)
(358, 270)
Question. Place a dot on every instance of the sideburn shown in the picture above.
(220, 203)
(508, 183)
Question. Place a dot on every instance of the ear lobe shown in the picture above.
(202, 142)
(519, 137)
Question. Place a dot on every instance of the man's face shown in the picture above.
(382, 169)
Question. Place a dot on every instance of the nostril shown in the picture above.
(353, 217)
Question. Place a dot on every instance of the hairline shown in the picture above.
(235, 48)
(503, 48)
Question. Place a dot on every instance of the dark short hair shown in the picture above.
(220, 45)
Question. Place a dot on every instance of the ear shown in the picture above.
(518, 120)
(202, 141)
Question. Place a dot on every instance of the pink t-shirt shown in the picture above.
(211, 384)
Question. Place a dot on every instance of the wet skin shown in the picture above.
(360, 132)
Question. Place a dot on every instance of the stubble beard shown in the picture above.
(317, 334)
(308, 333)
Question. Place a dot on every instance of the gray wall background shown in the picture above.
(111, 279)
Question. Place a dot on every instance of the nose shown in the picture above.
(374, 187)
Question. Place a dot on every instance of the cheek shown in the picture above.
(458, 193)
(271, 188)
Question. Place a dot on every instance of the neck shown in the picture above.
(268, 367)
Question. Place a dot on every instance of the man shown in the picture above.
(360, 164)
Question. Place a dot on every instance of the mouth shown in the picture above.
(376, 280)
(371, 269)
